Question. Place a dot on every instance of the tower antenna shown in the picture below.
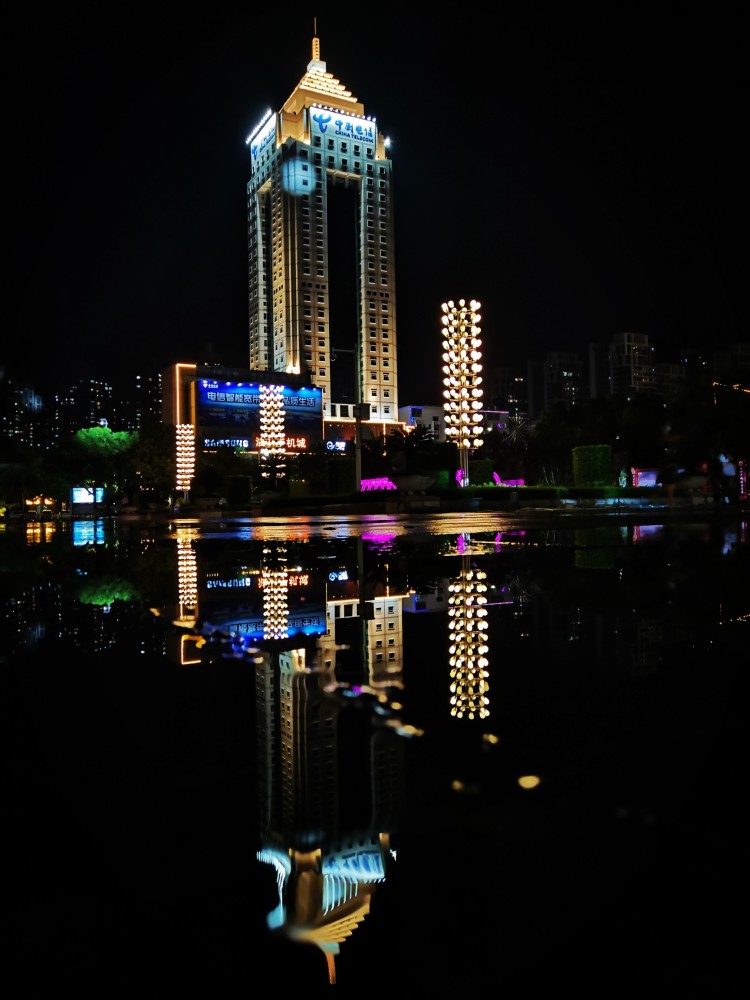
(315, 41)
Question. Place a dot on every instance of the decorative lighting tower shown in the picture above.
(187, 575)
(468, 647)
(461, 368)
(272, 432)
(185, 455)
(274, 580)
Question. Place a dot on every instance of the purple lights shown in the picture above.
(507, 482)
(379, 483)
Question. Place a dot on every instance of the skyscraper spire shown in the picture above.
(315, 42)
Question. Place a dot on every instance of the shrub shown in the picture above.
(592, 465)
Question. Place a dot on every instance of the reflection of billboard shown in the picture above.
(300, 621)
(88, 532)
(233, 602)
(228, 415)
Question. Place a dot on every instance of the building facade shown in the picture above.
(431, 418)
(322, 296)
(631, 365)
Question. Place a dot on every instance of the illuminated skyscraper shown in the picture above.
(321, 258)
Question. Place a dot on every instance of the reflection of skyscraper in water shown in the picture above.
(469, 687)
(329, 752)
(368, 617)
(329, 785)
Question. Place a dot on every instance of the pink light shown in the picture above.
(508, 536)
(507, 482)
(379, 483)
(381, 538)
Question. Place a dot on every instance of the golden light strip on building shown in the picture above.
(272, 436)
(184, 431)
(461, 370)
(184, 456)
(178, 416)
(272, 426)
(468, 647)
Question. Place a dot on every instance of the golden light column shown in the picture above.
(461, 368)
(184, 422)
(274, 580)
(468, 643)
(272, 431)
(185, 457)
(187, 575)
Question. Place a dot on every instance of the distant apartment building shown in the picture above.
(598, 355)
(432, 418)
(140, 403)
(559, 378)
(631, 365)
(733, 360)
(506, 391)
(88, 402)
(564, 380)
(22, 415)
(670, 378)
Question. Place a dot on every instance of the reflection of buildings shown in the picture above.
(329, 777)
(329, 783)
(329, 773)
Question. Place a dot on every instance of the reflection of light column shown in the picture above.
(461, 368)
(185, 456)
(272, 433)
(468, 648)
(274, 579)
(187, 575)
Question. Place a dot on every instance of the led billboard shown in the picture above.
(85, 494)
(228, 415)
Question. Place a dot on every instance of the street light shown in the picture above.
(462, 379)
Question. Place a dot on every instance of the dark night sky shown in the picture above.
(579, 172)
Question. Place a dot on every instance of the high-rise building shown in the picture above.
(322, 296)
(631, 365)
(87, 402)
(563, 379)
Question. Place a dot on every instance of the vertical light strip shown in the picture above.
(469, 688)
(461, 369)
(185, 456)
(187, 573)
(272, 431)
(274, 581)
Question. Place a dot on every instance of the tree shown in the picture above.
(96, 456)
(549, 455)
(406, 448)
(149, 463)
